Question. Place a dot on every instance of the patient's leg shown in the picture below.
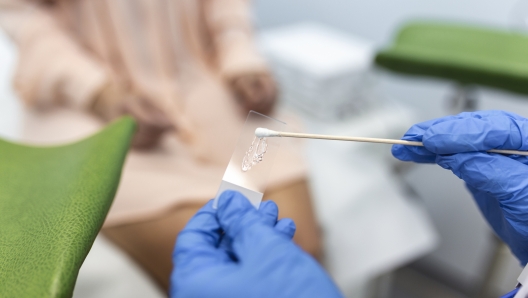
(150, 243)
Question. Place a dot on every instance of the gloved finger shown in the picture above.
(415, 133)
(197, 243)
(270, 212)
(250, 236)
(511, 231)
(495, 130)
(413, 153)
(227, 246)
(520, 158)
(489, 207)
(287, 227)
(235, 213)
(502, 177)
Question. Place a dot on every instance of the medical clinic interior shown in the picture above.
(381, 142)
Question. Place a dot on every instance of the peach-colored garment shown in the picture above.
(178, 53)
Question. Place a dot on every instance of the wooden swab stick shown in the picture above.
(266, 133)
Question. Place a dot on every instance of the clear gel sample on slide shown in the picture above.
(252, 160)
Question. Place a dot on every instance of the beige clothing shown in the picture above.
(177, 53)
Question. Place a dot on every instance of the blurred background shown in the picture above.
(389, 229)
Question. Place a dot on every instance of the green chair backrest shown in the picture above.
(53, 201)
(463, 53)
(464, 41)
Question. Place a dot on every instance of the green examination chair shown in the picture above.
(53, 201)
(467, 55)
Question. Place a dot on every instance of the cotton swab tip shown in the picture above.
(265, 133)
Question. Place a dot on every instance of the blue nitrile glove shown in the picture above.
(498, 183)
(258, 260)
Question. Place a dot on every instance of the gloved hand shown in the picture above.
(239, 252)
(498, 183)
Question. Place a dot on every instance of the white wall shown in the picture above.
(377, 19)
(9, 106)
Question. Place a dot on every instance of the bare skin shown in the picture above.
(112, 101)
(256, 92)
(152, 123)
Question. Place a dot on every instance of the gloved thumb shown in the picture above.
(236, 214)
(248, 230)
